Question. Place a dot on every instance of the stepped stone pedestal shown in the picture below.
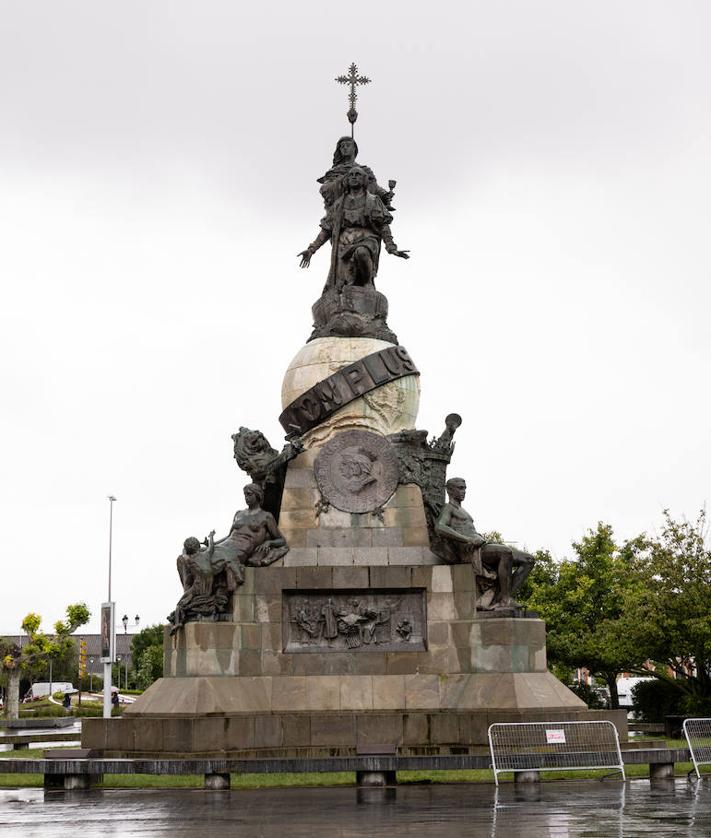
(358, 636)
(231, 688)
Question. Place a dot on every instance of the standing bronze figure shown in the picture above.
(355, 224)
(344, 158)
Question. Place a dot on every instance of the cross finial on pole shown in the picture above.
(353, 79)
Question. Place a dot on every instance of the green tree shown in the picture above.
(543, 575)
(33, 656)
(581, 601)
(147, 655)
(149, 636)
(150, 666)
(667, 613)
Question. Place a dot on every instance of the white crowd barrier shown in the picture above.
(554, 746)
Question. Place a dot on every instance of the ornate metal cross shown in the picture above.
(353, 79)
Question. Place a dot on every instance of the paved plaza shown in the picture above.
(548, 810)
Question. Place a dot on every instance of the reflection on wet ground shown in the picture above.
(554, 810)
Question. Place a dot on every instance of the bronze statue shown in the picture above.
(212, 572)
(445, 441)
(355, 224)
(255, 455)
(500, 570)
(332, 183)
(425, 464)
(264, 464)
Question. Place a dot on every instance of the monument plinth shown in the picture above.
(353, 601)
(325, 658)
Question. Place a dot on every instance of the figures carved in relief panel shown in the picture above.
(354, 621)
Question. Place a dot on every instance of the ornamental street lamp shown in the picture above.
(124, 620)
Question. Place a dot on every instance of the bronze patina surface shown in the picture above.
(500, 570)
(357, 471)
(211, 572)
(354, 620)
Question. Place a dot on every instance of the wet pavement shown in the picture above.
(550, 810)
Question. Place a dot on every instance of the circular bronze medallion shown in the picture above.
(357, 471)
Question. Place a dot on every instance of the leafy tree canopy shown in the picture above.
(616, 608)
(666, 616)
(31, 658)
(581, 601)
(149, 636)
(150, 666)
(39, 647)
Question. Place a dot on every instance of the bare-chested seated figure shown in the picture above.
(500, 568)
(211, 573)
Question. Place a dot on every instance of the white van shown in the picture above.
(40, 689)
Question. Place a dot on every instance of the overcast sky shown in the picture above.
(157, 178)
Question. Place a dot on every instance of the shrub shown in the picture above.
(653, 700)
(696, 705)
(95, 711)
(590, 695)
(46, 711)
(95, 681)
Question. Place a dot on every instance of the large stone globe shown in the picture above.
(388, 409)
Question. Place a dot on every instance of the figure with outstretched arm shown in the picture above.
(212, 572)
(356, 224)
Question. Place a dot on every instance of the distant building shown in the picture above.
(93, 649)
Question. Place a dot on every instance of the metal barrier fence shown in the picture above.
(554, 746)
(698, 737)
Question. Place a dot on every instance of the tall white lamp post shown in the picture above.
(108, 631)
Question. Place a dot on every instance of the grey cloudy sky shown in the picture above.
(157, 177)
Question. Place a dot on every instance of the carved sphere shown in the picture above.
(387, 410)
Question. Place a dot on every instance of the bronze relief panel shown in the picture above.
(354, 620)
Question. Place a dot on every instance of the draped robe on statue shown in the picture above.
(364, 225)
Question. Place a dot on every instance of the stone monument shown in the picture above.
(351, 604)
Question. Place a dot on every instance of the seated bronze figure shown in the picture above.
(500, 570)
(210, 573)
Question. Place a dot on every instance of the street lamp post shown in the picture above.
(91, 675)
(124, 620)
(108, 661)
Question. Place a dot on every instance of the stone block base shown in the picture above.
(218, 696)
(448, 636)
(285, 734)
(332, 537)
